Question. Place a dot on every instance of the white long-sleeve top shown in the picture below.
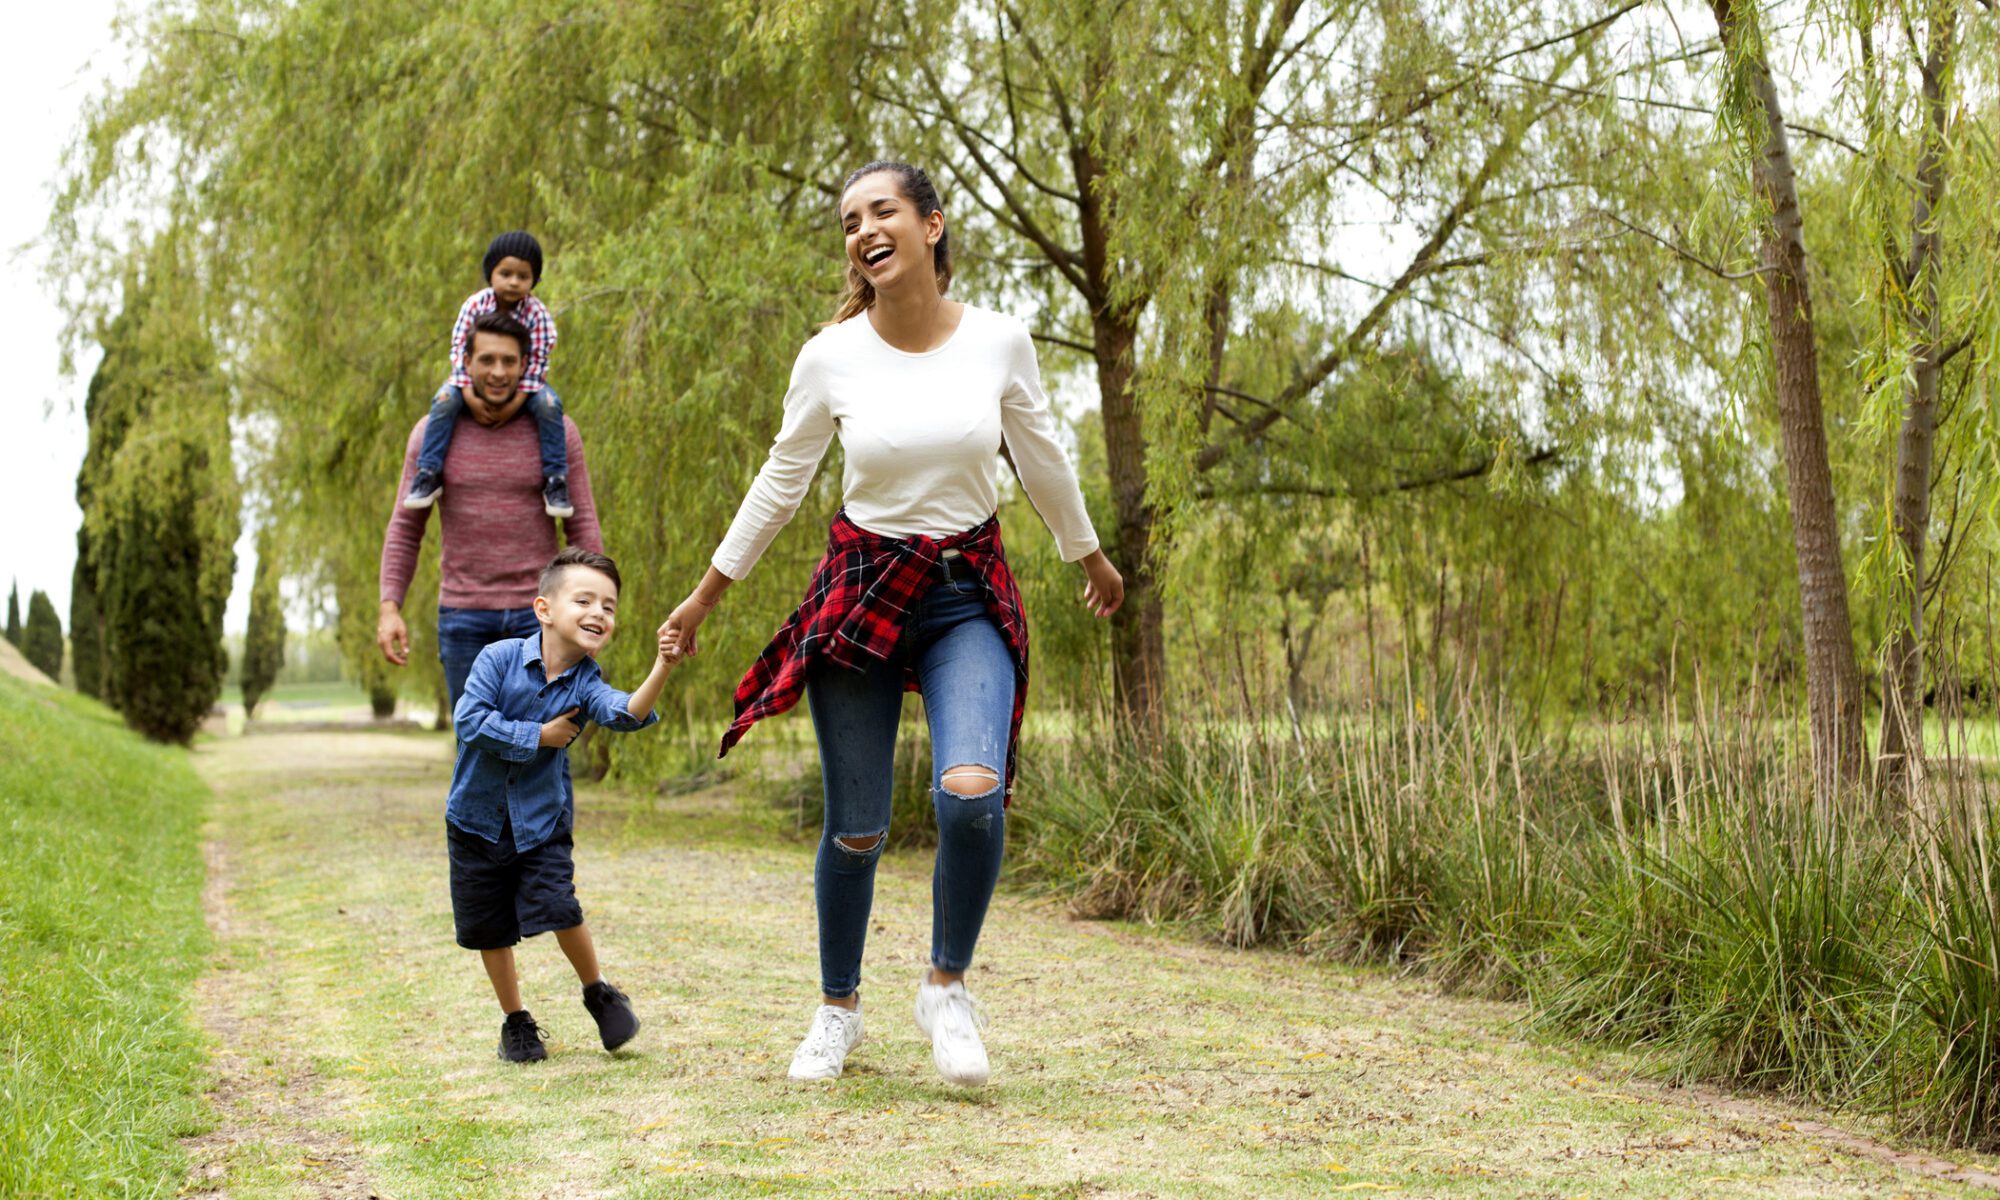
(922, 434)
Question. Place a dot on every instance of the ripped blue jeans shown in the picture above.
(968, 681)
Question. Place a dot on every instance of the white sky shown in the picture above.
(65, 54)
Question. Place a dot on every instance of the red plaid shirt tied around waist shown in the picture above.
(861, 598)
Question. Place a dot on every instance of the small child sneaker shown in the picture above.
(521, 1039)
(616, 1022)
(951, 1020)
(555, 497)
(835, 1031)
(424, 489)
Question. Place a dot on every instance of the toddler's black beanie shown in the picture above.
(516, 244)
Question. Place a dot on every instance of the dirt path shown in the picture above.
(355, 1042)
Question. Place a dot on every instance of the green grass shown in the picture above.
(1127, 1063)
(101, 937)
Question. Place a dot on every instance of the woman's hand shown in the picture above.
(677, 635)
(1105, 589)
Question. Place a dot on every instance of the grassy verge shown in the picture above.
(101, 935)
(1668, 883)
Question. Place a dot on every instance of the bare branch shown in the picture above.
(1065, 343)
(1540, 456)
(1682, 252)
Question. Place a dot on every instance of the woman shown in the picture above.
(914, 591)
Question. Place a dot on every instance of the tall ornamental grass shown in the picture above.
(1666, 880)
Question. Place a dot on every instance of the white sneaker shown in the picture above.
(835, 1031)
(951, 1020)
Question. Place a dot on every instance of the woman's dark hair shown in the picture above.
(920, 191)
(575, 556)
(505, 324)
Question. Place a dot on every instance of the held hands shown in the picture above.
(562, 730)
(1104, 589)
(677, 634)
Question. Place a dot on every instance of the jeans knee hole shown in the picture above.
(969, 782)
(860, 847)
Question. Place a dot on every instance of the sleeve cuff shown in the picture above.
(1074, 551)
(620, 712)
(527, 738)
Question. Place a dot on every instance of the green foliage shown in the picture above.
(162, 504)
(86, 625)
(264, 642)
(14, 613)
(42, 639)
(101, 939)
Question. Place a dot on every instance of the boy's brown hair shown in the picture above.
(576, 556)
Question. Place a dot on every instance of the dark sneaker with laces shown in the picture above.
(616, 1022)
(555, 497)
(521, 1039)
(424, 489)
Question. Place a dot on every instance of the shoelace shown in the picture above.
(969, 1011)
(825, 1036)
(522, 1035)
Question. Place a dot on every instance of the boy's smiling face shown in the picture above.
(581, 610)
(512, 280)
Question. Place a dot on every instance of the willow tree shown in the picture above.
(1929, 339)
(1162, 178)
(345, 186)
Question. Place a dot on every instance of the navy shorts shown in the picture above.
(499, 896)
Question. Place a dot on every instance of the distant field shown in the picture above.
(336, 693)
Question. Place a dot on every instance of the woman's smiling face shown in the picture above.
(888, 240)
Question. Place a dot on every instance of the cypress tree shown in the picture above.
(41, 640)
(264, 643)
(162, 611)
(14, 614)
(86, 629)
(160, 505)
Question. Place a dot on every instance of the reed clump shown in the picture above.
(1666, 880)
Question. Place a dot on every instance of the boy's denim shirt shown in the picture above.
(504, 774)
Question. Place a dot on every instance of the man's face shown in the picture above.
(512, 280)
(495, 365)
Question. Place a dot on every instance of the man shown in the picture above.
(495, 537)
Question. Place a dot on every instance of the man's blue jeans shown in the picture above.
(464, 632)
(968, 681)
(543, 405)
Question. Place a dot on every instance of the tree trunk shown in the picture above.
(1902, 743)
(1138, 640)
(1833, 683)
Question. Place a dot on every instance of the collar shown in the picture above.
(531, 656)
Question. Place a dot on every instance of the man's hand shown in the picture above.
(392, 635)
(561, 731)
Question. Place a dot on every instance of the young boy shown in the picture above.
(513, 267)
(509, 817)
